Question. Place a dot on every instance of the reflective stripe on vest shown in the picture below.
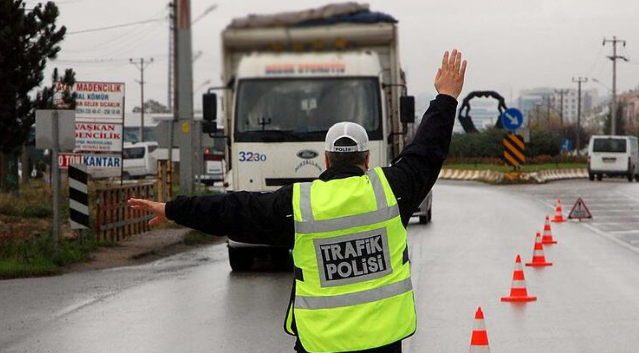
(355, 292)
(371, 295)
(309, 225)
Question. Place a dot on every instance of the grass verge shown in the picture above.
(195, 237)
(41, 256)
(504, 168)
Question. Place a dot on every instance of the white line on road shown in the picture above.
(628, 196)
(626, 232)
(600, 223)
(609, 236)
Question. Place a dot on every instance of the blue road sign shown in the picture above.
(512, 119)
(566, 145)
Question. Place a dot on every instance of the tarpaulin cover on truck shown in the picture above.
(350, 12)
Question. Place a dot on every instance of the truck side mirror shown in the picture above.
(209, 127)
(407, 109)
(209, 113)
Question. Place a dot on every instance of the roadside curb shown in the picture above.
(559, 174)
(494, 177)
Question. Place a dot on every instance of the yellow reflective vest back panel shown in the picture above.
(354, 289)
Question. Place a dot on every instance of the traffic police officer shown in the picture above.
(352, 289)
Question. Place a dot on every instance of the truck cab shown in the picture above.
(286, 85)
(285, 104)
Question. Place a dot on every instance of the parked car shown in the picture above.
(139, 159)
(613, 156)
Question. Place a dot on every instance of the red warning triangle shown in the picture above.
(580, 211)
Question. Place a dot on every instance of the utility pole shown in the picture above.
(548, 110)
(561, 104)
(55, 177)
(184, 97)
(171, 65)
(141, 65)
(614, 58)
(579, 81)
(172, 98)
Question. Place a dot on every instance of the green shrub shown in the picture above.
(41, 256)
(488, 144)
(37, 210)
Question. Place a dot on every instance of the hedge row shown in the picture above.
(488, 144)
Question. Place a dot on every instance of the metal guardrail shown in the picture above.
(114, 220)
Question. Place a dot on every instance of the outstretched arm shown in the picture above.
(416, 169)
(249, 217)
(450, 76)
(157, 208)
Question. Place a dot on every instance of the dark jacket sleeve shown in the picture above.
(414, 172)
(248, 217)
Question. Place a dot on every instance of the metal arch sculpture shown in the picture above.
(464, 112)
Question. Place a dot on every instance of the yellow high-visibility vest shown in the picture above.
(353, 288)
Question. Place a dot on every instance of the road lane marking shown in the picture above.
(600, 223)
(627, 196)
(634, 231)
(611, 237)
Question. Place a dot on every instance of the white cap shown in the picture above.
(349, 130)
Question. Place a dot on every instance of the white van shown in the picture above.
(613, 156)
(139, 159)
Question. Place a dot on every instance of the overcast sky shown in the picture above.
(510, 44)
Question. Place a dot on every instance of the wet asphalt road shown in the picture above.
(191, 302)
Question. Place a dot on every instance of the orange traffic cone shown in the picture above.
(547, 237)
(559, 214)
(479, 338)
(518, 291)
(538, 259)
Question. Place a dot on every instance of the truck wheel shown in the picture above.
(283, 259)
(240, 259)
(591, 176)
(631, 175)
(599, 177)
(636, 177)
(427, 218)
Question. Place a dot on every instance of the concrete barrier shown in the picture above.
(497, 177)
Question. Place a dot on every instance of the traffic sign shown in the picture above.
(514, 150)
(512, 119)
(566, 145)
(78, 196)
(580, 211)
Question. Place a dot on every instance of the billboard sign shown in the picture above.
(98, 102)
(97, 137)
(98, 165)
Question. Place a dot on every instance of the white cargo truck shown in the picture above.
(288, 79)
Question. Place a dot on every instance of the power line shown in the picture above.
(614, 57)
(141, 65)
(117, 26)
(579, 82)
(108, 61)
(117, 40)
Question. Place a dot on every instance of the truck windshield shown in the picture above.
(610, 145)
(304, 109)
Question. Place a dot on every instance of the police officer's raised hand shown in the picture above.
(157, 208)
(450, 77)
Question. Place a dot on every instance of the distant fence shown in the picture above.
(114, 220)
